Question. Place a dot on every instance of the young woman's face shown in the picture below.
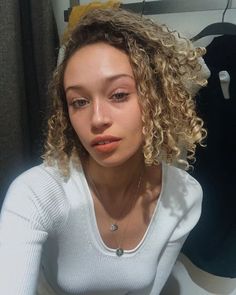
(103, 103)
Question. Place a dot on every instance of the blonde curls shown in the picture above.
(166, 69)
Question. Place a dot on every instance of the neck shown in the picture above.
(115, 181)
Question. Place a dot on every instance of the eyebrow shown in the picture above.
(107, 79)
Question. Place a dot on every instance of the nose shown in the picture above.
(101, 115)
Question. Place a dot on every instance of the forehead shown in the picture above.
(95, 61)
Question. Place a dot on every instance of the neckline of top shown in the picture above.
(93, 222)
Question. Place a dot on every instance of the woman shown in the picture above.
(107, 213)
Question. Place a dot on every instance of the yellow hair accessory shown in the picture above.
(79, 10)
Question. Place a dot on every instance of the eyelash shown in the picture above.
(75, 103)
(117, 97)
(120, 96)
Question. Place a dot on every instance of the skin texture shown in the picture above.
(103, 101)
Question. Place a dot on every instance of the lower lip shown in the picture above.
(108, 147)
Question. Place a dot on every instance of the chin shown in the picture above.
(114, 161)
(110, 163)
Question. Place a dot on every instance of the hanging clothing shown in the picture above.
(212, 244)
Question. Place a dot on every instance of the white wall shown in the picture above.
(59, 6)
(191, 280)
(188, 23)
(191, 23)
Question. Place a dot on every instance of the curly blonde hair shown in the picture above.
(164, 65)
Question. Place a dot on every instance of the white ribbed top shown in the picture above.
(50, 242)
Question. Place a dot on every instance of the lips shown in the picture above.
(105, 144)
(102, 140)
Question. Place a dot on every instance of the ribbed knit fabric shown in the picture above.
(50, 242)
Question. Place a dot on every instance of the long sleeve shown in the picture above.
(168, 257)
(50, 223)
(28, 216)
(185, 224)
(21, 240)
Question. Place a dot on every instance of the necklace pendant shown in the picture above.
(114, 227)
(119, 252)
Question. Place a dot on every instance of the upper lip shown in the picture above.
(105, 138)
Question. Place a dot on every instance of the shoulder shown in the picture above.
(40, 172)
(38, 193)
(182, 199)
(40, 181)
(181, 185)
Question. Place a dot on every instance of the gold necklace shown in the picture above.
(114, 226)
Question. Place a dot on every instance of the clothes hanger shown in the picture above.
(143, 6)
(220, 28)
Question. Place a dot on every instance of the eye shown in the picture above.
(120, 96)
(79, 103)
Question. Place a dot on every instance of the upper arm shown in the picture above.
(22, 236)
(191, 213)
(165, 264)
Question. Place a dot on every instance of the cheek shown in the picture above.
(138, 125)
(133, 120)
(76, 125)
